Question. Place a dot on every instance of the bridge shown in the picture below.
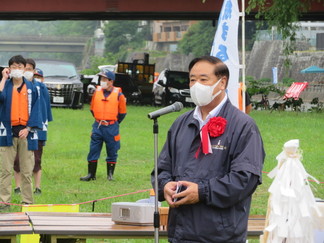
(43, 44)
(127, 10)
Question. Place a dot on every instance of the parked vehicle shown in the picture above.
(141, 74)
(63, 83)
(122, 80)
(112, 68)
(134, 78)
(172, 86)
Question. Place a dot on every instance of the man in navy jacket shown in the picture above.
(215, 153)
(35, 75)
(19, 119)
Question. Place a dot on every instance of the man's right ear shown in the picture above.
(224, 82)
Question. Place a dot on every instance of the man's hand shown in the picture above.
(23, 133)
(5, 73)
(169, 190)
(188, 196)
(5, 76)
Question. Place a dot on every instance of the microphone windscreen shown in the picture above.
(178, 106)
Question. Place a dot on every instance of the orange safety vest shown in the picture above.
(19, 107)
(105, 108)
(240, 97)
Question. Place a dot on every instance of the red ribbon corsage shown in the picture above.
(213, 128)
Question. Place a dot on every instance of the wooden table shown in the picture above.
(54, 226)
(255, 226)
(13, 224)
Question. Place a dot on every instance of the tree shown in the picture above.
(125, 36)
(75, 28)
(198, 40)
(96, 61)
(119, 33)
(283, 14)
(51, 28)
(48, 28)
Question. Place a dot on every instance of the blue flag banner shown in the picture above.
(225, 45)
(275, 75)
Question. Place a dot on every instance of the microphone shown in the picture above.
(177, 106)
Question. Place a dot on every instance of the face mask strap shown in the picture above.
(214, 86)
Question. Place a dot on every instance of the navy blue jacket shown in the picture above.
(45, 108)
(226, 178)
(34, 121)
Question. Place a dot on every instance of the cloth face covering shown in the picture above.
(29, 75)
(103, 85)
(16, 73)
(203, 94)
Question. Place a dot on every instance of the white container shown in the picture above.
(133, 213)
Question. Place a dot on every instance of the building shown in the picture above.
(311, 32)
(167, 33)
(308, 32)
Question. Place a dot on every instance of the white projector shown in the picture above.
(133, 213)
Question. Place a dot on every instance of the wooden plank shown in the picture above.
(13, 223)
(13, 216)
(60, 214)
(100, 225)
(58, 220)
(95, 231)
(15, 230)
(68, 222)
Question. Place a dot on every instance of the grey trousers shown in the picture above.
(27, 162)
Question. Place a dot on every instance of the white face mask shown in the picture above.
(16, 73)
(203, 94)
(29, 75)
(38, 80)
(103, 84)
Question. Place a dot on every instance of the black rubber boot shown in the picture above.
(92, 169)
(110, 171)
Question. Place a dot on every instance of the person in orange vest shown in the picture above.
(248, 104)
(35, 75)
(19, 121)
(108, 106)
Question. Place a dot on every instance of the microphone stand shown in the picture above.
(177, 106)
(156, 212)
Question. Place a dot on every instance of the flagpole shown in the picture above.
(243, 55)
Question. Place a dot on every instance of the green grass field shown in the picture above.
(64, 158)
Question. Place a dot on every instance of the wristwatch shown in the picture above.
(28, 129)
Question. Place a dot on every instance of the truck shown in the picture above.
(122, 81)
(134, 78)
(141, 74)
